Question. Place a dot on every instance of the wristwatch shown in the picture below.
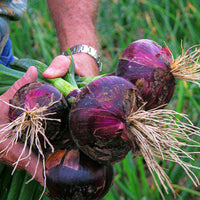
(82, 48)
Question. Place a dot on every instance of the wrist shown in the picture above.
(85, 65)
(82, 48)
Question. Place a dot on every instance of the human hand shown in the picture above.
(12, 155)
(85, 65)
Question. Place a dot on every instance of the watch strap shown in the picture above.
(82, 48)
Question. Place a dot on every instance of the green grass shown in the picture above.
(119, 23)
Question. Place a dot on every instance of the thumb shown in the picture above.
(58, 68)
(28, 77)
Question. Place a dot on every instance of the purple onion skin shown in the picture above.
(98, 119)
(147, 65)
(71, 175)
(40, 94)
(71, 96)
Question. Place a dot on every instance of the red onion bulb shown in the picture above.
(38, 116)
(71, 175)
(43, 103)
(147, 65)
(98, 118)
(108, 119)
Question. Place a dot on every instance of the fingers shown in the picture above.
(29, 164)
(85, 65)
(29, 76)
(58, 68)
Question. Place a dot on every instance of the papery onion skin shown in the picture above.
(41, 94)
(147, 65)
(71, 175)
(98, 119)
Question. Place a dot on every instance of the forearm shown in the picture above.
(75, 22)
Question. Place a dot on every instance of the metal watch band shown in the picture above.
(82, 48)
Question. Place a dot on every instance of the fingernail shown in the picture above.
(50, 71)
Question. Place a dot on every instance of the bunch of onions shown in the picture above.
(71, 175)
(38, 115)
(153, 69)
(108, 118)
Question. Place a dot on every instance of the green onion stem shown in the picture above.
(83, 81)
(63, 86)
(23, 64)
